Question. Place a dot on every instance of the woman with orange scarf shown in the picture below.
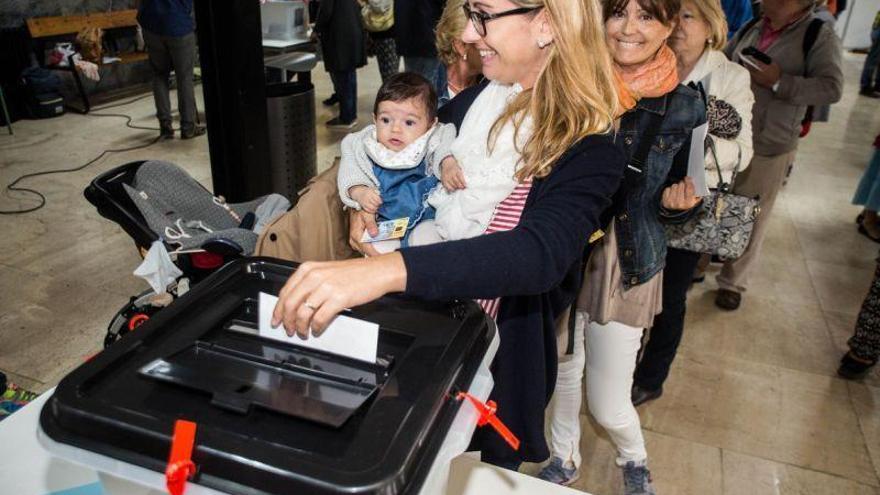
(623, 282)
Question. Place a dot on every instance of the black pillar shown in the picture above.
(231, 56)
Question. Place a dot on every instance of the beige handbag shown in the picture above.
(378, 15)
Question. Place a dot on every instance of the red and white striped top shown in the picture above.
(506, 217)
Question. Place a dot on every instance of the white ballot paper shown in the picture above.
(697, 160)
(346, 336)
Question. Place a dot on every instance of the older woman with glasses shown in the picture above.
(548, 106)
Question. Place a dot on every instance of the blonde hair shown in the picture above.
(449, 28)
(713, 16)
(575, 94)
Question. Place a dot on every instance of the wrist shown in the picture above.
(393, 271)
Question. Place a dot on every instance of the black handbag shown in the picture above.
(724, 224)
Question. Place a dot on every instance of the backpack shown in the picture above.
(42, 93)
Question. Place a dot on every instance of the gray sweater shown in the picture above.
(356, 167)
(776, 116)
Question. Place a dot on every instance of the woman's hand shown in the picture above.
(451, 174)
(358, 223)
(317, 292)
(680, 196)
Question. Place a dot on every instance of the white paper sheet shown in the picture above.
(346, 336)
(697, 160)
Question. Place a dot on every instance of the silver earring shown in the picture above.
(542, 44)
(464, 56)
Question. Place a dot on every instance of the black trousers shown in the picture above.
(668, 327)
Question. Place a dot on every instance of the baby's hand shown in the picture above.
(451, 175)
(367, 197)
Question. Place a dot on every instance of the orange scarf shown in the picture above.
(650, 80)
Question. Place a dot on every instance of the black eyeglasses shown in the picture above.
(479, 19)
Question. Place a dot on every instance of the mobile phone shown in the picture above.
(748, 61)
(757, 55)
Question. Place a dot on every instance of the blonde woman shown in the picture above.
(552, 93)
(697, 42)
(462, 60)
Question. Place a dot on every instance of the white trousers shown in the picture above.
(610, 359)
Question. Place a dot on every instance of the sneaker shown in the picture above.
(166, 132)
(558, 474)
(336, 123)
(637, 479)
(728, 300)
(853, 368)
(641, 395)
(193, 132)
(329, 102)
(14, 393)
(13, 399)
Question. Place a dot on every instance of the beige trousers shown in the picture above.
(763, 178)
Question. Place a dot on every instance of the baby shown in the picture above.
(395, 167)
(390, 168)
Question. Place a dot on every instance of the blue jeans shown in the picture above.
(345, 87)
(869, 71)
(430, 68)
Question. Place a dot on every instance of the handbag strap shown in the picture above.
(723, 186)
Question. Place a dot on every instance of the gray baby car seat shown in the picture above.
(183, 213)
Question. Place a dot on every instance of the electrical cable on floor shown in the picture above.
(42, 199)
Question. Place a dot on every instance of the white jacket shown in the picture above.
(731, 83)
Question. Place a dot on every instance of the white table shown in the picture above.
(26, 468)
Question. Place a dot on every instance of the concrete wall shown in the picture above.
(14, 12)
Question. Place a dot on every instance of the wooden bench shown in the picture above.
(45, 30)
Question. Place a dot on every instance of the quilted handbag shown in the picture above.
(724, 224)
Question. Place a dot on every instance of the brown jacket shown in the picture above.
(316, 229)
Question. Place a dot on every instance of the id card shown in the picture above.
(389, 229)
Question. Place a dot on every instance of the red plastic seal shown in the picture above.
(180, 465)
(487, 415)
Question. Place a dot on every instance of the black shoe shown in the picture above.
(870, 93)
(337, 123)
(641, 395)
(166, 132)
(193, 132)
(853, 369)
(728, 300)
(329, 102)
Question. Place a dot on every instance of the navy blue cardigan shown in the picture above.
(535, 269)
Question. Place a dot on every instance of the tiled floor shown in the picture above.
(752, 405)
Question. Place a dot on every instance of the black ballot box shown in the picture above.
(273, 417)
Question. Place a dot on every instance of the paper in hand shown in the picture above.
(346, 336)
(697, 160)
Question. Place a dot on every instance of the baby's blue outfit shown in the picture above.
(405, 194)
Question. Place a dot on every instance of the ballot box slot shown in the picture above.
(240, 375)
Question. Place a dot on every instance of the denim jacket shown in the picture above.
(638, 216)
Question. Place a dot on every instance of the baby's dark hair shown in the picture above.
(406, 85)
